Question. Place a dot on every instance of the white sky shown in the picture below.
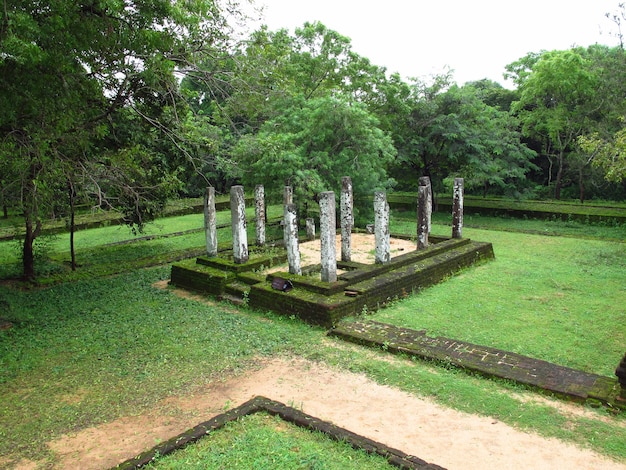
(475, 38)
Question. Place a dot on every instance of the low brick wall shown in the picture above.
(362, 287)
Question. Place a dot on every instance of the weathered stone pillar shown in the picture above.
(210, 225)
(620, 372)
(425, 181)
(310, 228)
(328, 235)
(287, 199)
(238, 219)
(291, 225)
(422, 217)
(347, 218)
(457, 208)
(381, 228)
(259, 214)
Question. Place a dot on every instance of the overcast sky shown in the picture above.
(475, 38)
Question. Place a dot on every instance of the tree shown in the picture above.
(556, 104)
(269, 76)
(66, 68)
(609, 155)
(451, 131)
(312, 145)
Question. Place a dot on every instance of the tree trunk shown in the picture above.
(559, 178)
(5, 211)
(31, 216)
(581, 186)
(28, 256)
(72, 225)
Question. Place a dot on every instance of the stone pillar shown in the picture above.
(287, 199)
(425, 181)
(328, 235)
(210, 225)
(620, 372)
(238, 219)
(422, 217)
(310, 228)
(347, 218)
(381, 228)
(291, 225)
(457, 208)
(259, 214)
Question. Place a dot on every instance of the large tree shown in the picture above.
(450, 131)
(66, 69)
(275, 76)
(312, 144)
(557, 104)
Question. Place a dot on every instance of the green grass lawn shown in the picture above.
(545, 297)
(261, 441)
(86, 352)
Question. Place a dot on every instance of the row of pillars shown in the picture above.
(328, 227)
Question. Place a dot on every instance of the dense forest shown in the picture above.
(124, 104)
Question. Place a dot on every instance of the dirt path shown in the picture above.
(416, 426)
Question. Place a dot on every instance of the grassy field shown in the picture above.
(85, 352)
(261, 441)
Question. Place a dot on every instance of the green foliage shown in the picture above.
(450, 131)
(565, 95)
(312, 144)
(609, 156)
(74, 79)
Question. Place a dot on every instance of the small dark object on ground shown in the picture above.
(282, 284)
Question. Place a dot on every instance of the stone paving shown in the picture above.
(562, 381)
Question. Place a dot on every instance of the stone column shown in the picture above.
(425, 181)
(328, 235)
(259, 214)
(310, 228)
(347, 218)
(238, 219)
(381, 228)
(422, 217)
(291, 226)
(457, 208)
(210, 225)
(287, 199)
(620, 372)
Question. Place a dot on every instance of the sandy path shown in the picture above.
(416, 426)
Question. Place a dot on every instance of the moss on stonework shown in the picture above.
(325, 303)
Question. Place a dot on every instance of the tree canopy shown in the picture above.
(70, 72)
(123, 104)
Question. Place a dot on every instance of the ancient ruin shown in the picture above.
(323, 293)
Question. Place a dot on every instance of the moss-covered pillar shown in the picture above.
(291, 225)
(620, 372)
(381, 228)
(457, 208)
(210, 225)
(310, 228)
(425, 181)
(422, 216)
(238, 220)
(347, 218)
(287, 199)
(328, 235)
(259, 214)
